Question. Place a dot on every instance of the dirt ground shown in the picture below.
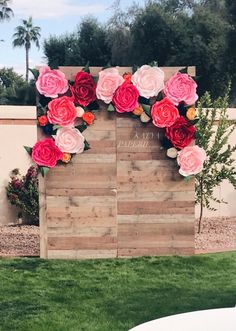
(218, 234)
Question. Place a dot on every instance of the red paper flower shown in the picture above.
(62, 111)
(46, 153)
(181, 133)
(88, 117)
(84, 89)
(126, 98)
(164, 113)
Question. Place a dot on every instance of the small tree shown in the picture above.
(213, 132)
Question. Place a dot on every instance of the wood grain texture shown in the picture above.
(122, 198)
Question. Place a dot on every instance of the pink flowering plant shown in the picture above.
(64, 111)
(22, 192)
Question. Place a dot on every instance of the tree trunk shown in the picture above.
(201, 207)
(27, 63)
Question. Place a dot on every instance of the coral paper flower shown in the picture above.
(181, 87)
(43, 120)
(164, 113)
(108, 81)
(84, 89)
(70, 140)
(191, 160)
(88, 117)
(148, 80)
(62, 111)
(51, 83)
(126, 98)
(46, 153)
(181, 133)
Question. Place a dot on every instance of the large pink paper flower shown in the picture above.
(70, 140)
(126, 98)
(164, 113)
(46, 153)
(181, 88)
(190, 160)
(109, 80)
(148, 80)
(62, 111)
(51, 83)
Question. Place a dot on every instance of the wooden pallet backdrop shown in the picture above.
(121, 198)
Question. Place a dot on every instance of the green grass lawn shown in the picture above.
(110, 295)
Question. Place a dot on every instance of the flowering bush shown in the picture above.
(144, 94)
(22, 192)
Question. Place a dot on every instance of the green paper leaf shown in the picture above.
(35, 73)
(154, 64)
(56, 127)
(107, 66)
(95, 78)
(44, 170)
(184, 70)
(86, 145)
(134, 68)
(28, 149)
(111, 107)
(82, 127)
(86, 68)
(147, 109)
(193, 122)
(187, 179)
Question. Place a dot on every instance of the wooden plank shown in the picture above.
(156, 196)
(82, 254)
(70, 72)
(18, 122)
(157, 251)
(76, 243)
(81, 192)
(43, 218)
(156, 219)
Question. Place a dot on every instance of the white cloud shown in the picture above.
(49, 9)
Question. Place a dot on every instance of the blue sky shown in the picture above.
(54, 17)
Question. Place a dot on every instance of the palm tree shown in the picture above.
(5, 11)
(25, 35)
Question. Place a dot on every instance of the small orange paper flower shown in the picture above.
(43, 120)
(138, 111)
(191, 113)
(127, 76)
(88, 118)
(66, 157)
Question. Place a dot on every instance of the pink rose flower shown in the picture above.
(51, 82)
(62, 111)
(125, 98)
(181, 88)
(46, 153)
(70, 140)
(190, 160)
(164, 113)
(109, 80)
(148, 80)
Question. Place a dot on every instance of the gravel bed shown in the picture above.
(19, 240)
(218, 234)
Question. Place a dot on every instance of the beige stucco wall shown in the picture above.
(17, 128)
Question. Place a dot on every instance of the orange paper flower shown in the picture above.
(66, 157)
(88, 118)
(138, 111)
(191, 113)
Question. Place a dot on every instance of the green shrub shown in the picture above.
(22, 191)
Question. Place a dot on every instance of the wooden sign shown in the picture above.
(121, 198)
